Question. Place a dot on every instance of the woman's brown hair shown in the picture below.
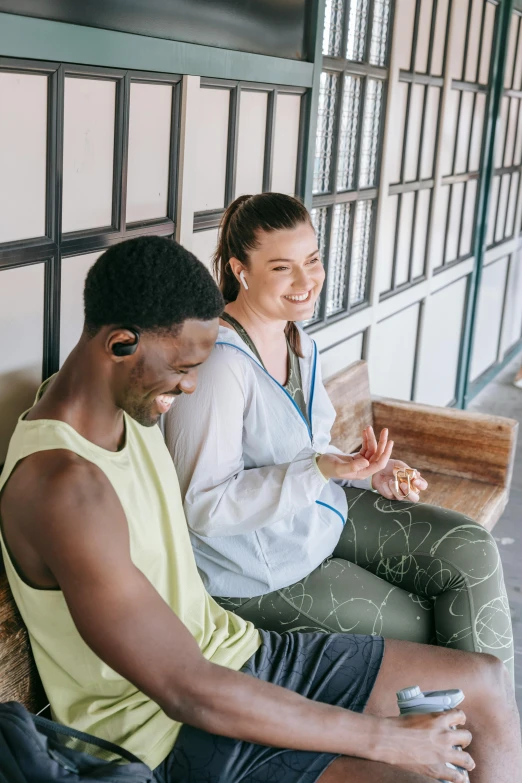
(238, 235)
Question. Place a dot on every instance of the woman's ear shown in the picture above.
(236, 267)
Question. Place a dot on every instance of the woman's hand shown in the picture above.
(425, 743)
(384, 482)
(358, 466)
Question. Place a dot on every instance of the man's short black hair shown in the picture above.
(151, 283)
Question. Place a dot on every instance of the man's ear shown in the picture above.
(122, 341)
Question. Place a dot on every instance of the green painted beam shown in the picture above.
(498, 67)
(41, 39)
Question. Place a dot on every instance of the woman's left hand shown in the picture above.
(384, 482)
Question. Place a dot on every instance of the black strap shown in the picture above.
(49, 725)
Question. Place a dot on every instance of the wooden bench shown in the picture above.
(467, 458)
(19, 680)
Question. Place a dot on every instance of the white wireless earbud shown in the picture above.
(242, 278)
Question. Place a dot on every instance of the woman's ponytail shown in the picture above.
(225, 250)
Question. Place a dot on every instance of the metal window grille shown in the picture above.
(423, 84)
(508, 146)
(55, 244)
(348, 150)
(210, 219)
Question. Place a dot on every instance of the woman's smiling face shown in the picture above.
(284, 274)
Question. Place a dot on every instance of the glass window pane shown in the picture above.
(492, 214)
(149, 151)
(439, 226)
(502, 207)
(388, 229)
(439, 39)
(370, 133)
(320, 223)
(487, 42)
(325, 130)
(455, 213)
(286, 143)
(380, 31)
(348, 133)
(336, 283)
(476, 132)
(431, 122)
(511, 131)
(413, 137)
(210, 170)
(357, 26)
(251, 142)
(423, 36)
(360, 251)
(88, 153)
(333, 27)
(463, 139)
(513, 194)
(402, 265)
(421, 230)
(468, 218)
(474, 40)
(510, 60)
(23, 155)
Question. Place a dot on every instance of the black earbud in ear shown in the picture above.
(126, 349)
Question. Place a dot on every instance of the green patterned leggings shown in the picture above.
(403, 571)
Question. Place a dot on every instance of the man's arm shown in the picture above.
(81, 534)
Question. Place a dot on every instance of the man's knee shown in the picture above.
(492, 679)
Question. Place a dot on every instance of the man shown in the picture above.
(128, 644)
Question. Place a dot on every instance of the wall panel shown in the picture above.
(340, 356)
(391, 372)
(21, 344)
(204, 245)
(489, 317)
(440, 345)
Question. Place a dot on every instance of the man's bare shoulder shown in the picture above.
(58, 508)
(48, 477)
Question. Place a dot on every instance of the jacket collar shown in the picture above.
(230, 336)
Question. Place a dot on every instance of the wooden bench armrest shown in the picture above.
(449, 441)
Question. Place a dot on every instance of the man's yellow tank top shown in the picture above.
(83, 691)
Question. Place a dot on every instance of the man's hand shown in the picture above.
(425, 744)
(384, 482)
(372, 458)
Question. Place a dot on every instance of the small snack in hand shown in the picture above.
(405, 476)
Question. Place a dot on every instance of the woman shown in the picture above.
(285, 530)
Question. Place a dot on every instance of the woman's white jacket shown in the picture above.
(260, 513)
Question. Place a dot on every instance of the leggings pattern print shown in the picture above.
(403, 571)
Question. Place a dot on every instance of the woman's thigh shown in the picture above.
(340, 597)
(440, 555)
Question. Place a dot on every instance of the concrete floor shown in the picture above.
(502, 398)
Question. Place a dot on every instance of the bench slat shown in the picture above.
(19, 680)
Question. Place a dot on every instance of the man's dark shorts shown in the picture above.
(338, 669)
